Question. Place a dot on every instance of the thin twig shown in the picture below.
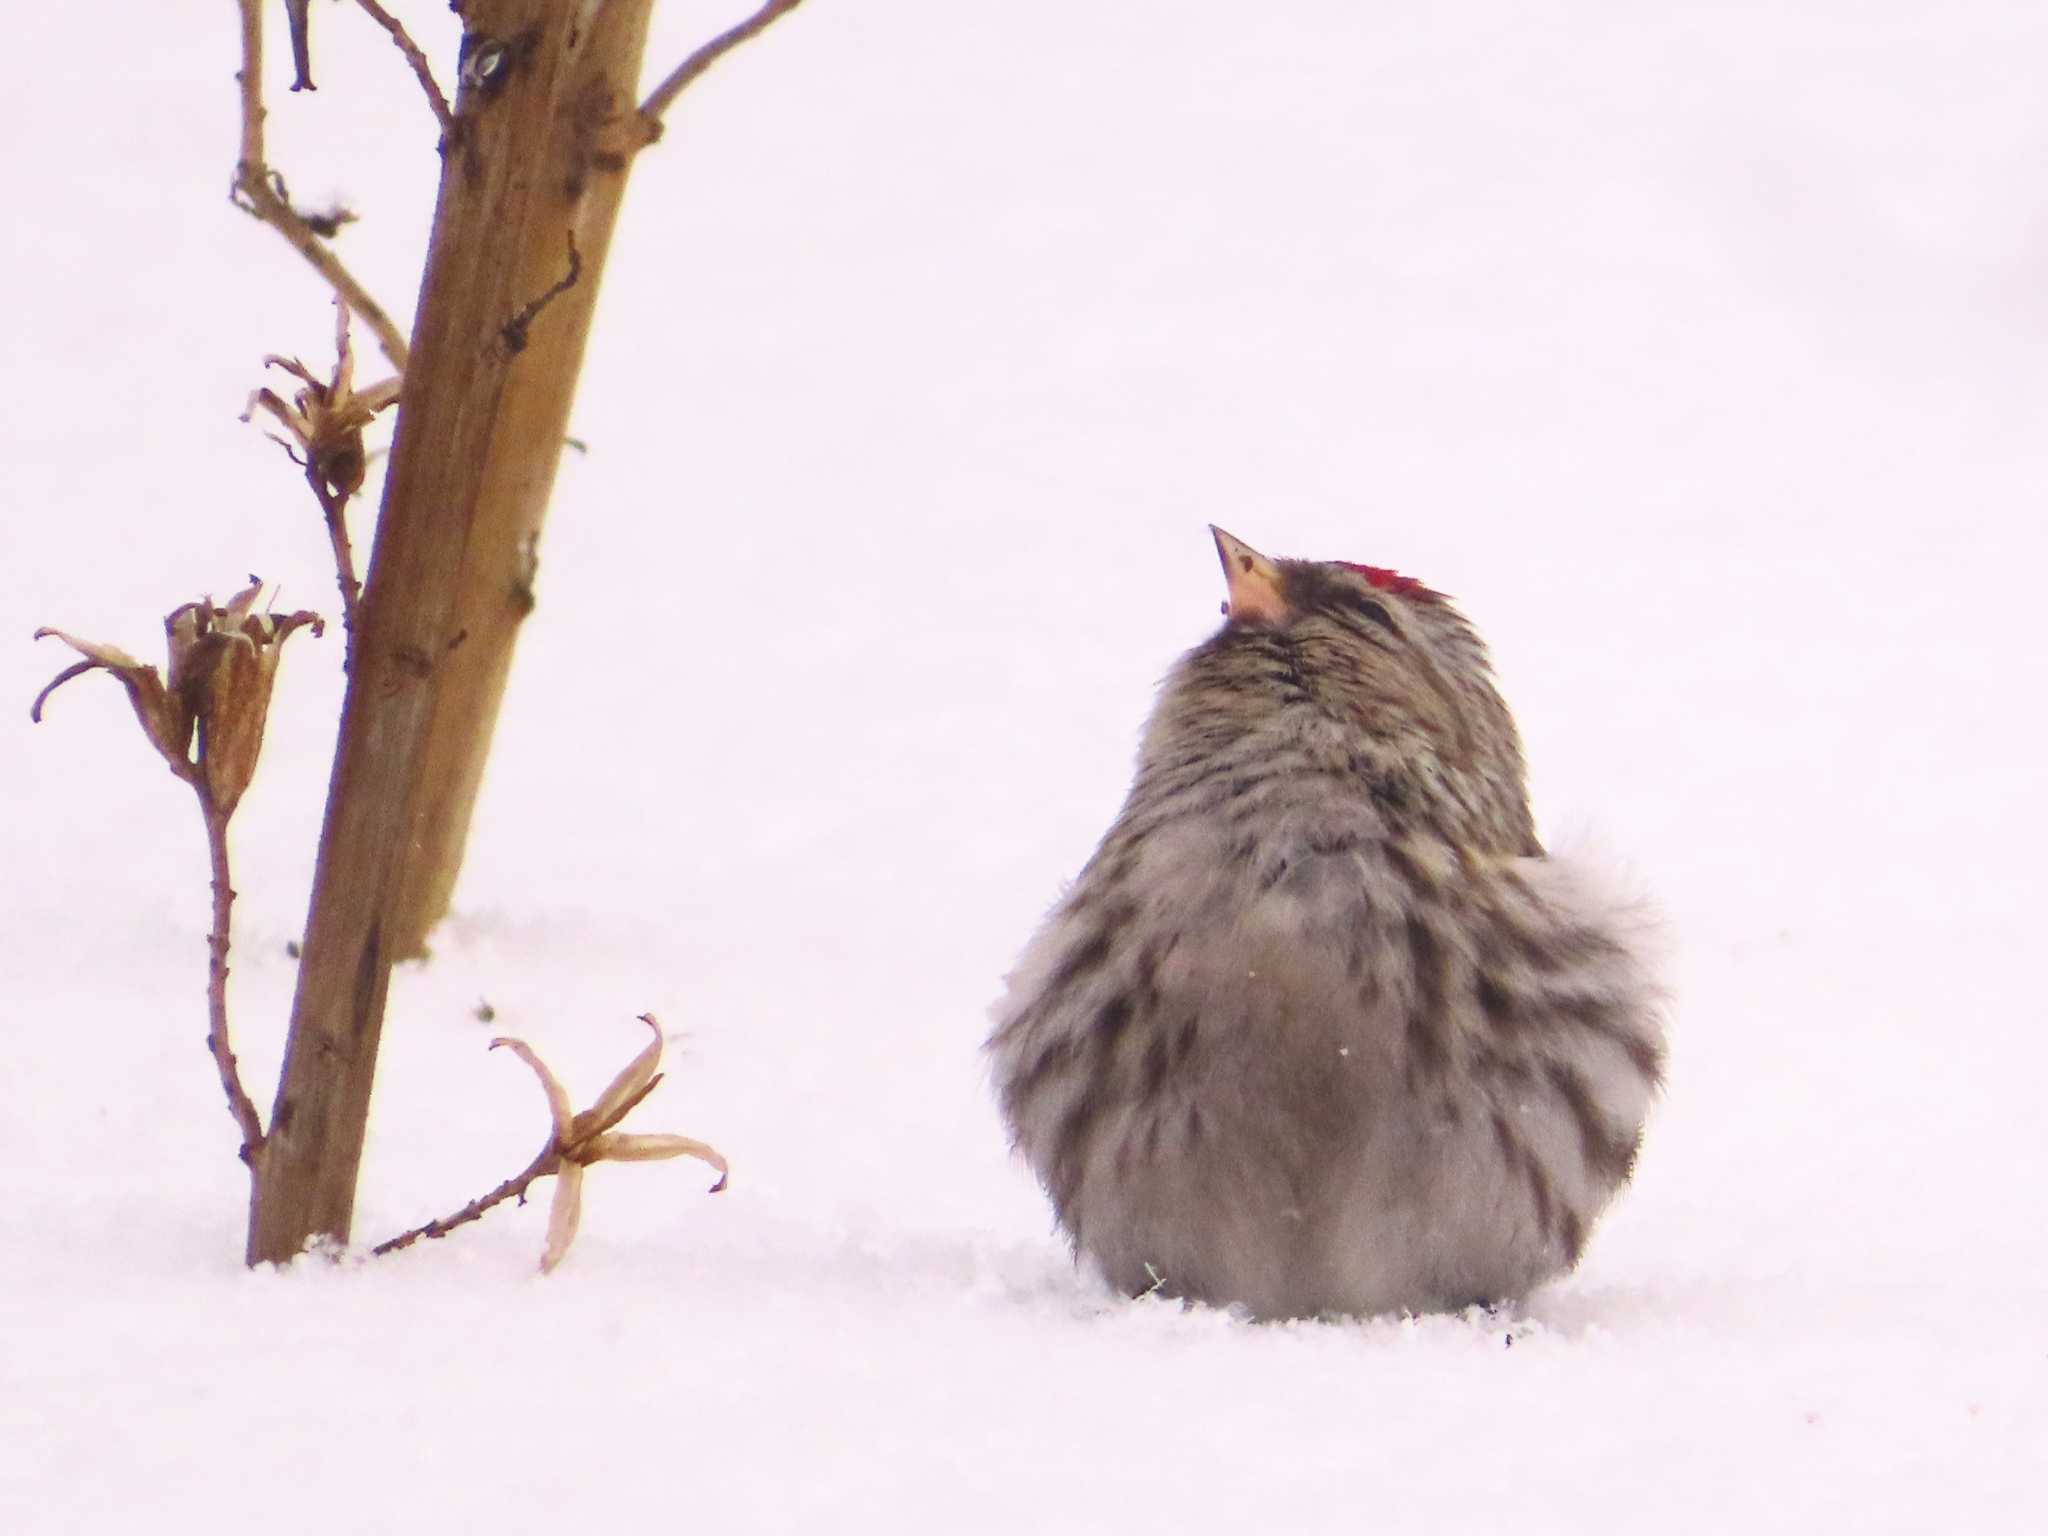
(251, 81)
(680, 78)
(417, 60)
(513, 332)
(334, 511)
(540, 1168)
(255, 194)
(298, 21)
(239, 1103)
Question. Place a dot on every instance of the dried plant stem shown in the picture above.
(515, 1187)
(593, 129)
(418, 61)
(240, 1105)
(334, 512)
(299, 22)
(679, 79)
(498, 592)
(473, 457)
(257, 194)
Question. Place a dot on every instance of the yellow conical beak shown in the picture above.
(1254, 582)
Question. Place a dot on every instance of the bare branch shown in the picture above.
(418, 61)
(251, 81)
(684, 74)
(256, 193)
(333, 511)
(541, 1167)
(239, 1103)
(514, 331)
(298, 20)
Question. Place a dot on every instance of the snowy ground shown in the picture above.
(1698, 349)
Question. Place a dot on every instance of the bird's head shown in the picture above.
(1363, 661)
(1280, 595)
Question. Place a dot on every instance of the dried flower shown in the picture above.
(583, 1139)
(223, 664)
(327, 419)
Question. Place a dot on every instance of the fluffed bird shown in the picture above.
(1321, 1028)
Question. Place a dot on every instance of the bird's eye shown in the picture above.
(1367, 608)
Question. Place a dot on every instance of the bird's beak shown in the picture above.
(1254, 582)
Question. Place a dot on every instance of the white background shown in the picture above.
(1697, 349)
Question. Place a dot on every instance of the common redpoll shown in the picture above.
(1321, 1028)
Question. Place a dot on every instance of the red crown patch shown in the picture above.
(1391, 581)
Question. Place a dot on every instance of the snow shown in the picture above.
(1699, 350)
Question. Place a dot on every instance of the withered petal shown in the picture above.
(630, 1083)
(112, 657)
(186, 628)
(558, 1097)
(232, 716)
(239, 606)
(378, 396)
(76, 669)
(294, 423)
(627, 1147)
(164, 720)
(344, 354)
(296, 369)
(565, 1214)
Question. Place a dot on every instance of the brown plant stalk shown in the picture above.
(599, 131)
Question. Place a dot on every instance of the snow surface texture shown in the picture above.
(1699, 350)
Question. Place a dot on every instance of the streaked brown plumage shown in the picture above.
(1320, 1027)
